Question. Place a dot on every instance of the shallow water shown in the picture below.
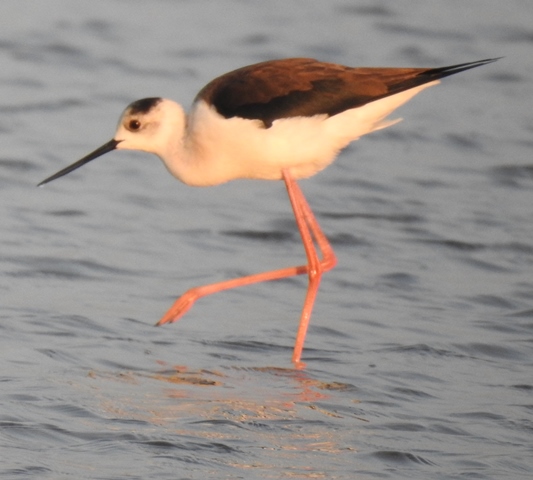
(419, 353)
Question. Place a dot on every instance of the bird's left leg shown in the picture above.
(310, 232)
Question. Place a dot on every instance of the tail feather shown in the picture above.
(441, 72)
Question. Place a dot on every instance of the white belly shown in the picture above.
(220, 149)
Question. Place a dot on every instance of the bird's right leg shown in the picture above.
(311, 232)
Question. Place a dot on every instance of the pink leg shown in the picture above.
(309, 229)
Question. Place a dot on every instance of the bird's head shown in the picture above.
(149, 125)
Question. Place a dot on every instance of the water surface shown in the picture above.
(419, 354)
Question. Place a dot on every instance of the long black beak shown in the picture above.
(106, 147)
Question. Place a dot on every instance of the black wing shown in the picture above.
(296, 87)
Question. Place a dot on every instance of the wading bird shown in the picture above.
(276, 120)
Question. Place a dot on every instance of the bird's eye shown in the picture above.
(134, 125)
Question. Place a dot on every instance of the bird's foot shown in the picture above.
(180, 307)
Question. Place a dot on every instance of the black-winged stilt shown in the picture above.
(275, 120)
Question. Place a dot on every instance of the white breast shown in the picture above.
(218, 149)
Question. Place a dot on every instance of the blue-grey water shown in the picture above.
(420, 351)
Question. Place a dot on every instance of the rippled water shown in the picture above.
(419, 355)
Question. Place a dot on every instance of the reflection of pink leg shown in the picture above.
(309, 230)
